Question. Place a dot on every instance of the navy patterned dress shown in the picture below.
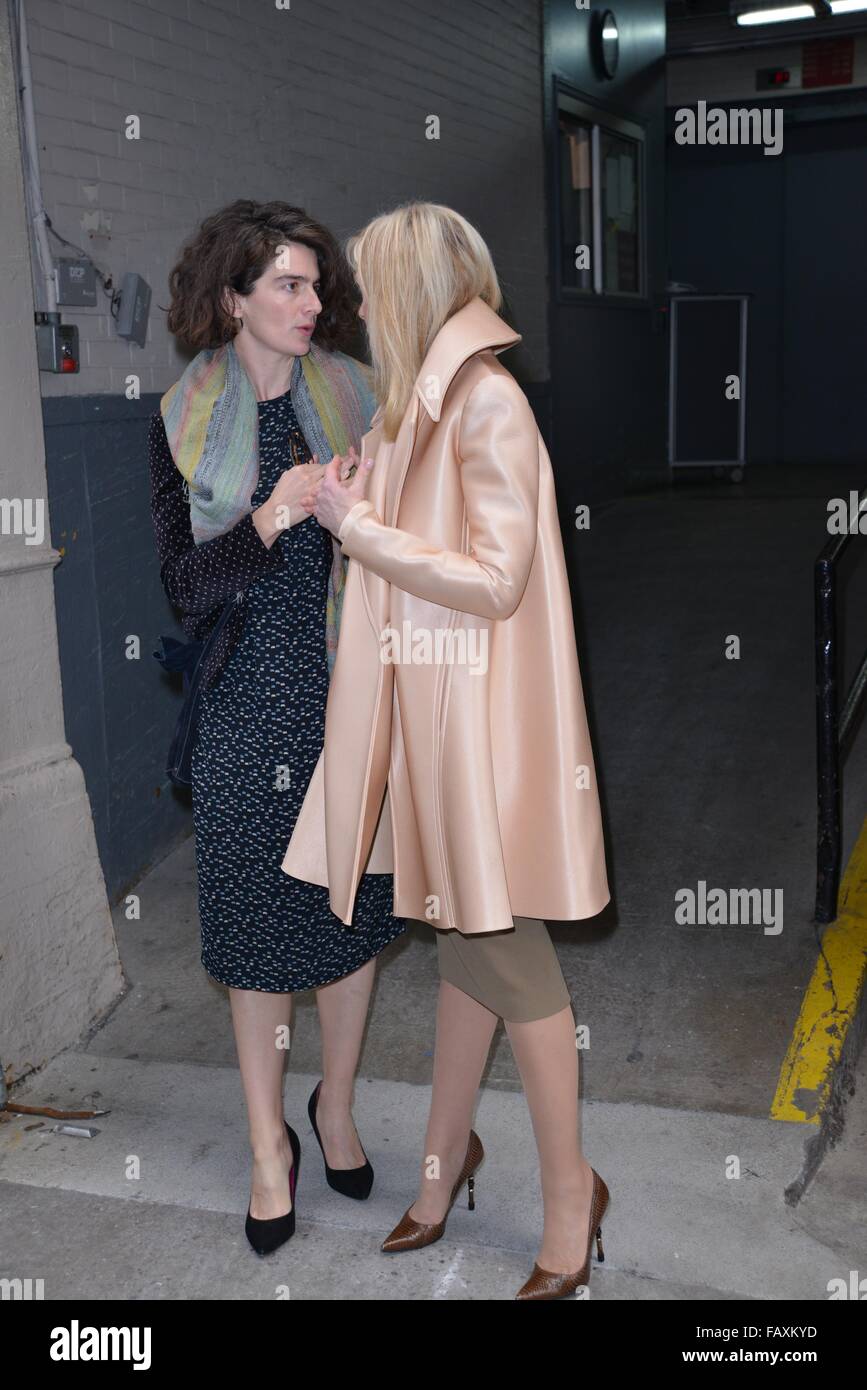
(260, 733)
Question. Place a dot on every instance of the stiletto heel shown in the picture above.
(545, 1283)
(352, 1182)
(267, 1235)
(410, 1234)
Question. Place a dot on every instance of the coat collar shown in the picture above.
(470, 330)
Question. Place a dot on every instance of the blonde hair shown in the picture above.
(417, 265)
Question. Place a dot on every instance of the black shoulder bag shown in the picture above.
(189, 659)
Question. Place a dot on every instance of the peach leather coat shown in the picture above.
(469, 776)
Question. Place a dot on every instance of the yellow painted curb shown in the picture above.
(829, 1003)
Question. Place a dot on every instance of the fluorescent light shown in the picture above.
(777, 16)
(782, 13)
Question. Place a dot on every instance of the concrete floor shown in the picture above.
(708, 772)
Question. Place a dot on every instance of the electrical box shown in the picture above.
(135, 303)
(75, 282)
(56, 344)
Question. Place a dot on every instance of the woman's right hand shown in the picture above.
(291, 501)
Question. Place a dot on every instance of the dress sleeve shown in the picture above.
(197, 578)
(499, 467)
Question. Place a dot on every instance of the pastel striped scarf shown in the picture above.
(212, 424)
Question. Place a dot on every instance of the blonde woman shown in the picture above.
(456, 747)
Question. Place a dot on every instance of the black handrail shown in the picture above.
(832, 727)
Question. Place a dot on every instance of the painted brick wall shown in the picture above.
(322, 103)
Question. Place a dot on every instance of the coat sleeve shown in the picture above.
(197, 578)
(499, 469)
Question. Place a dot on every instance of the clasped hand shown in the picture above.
(336, 492)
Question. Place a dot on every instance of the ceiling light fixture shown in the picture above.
(782, 14)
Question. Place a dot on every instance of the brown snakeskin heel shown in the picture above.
(409, 1234)
(544, 1283)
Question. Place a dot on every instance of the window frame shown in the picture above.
(600, 119)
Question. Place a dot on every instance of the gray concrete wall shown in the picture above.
(59, 969)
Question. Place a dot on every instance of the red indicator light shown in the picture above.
(772, 77)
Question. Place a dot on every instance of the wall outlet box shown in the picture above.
(135, 303)
(75, 282)
(56, 344)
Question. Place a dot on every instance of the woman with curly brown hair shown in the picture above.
(264, 296)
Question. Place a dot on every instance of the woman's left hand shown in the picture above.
(334, 498)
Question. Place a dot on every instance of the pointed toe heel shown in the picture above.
(409, 1234)
(266, 1236)
(545, 1283)
(351, 1182)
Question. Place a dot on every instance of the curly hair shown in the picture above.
(231, 249)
